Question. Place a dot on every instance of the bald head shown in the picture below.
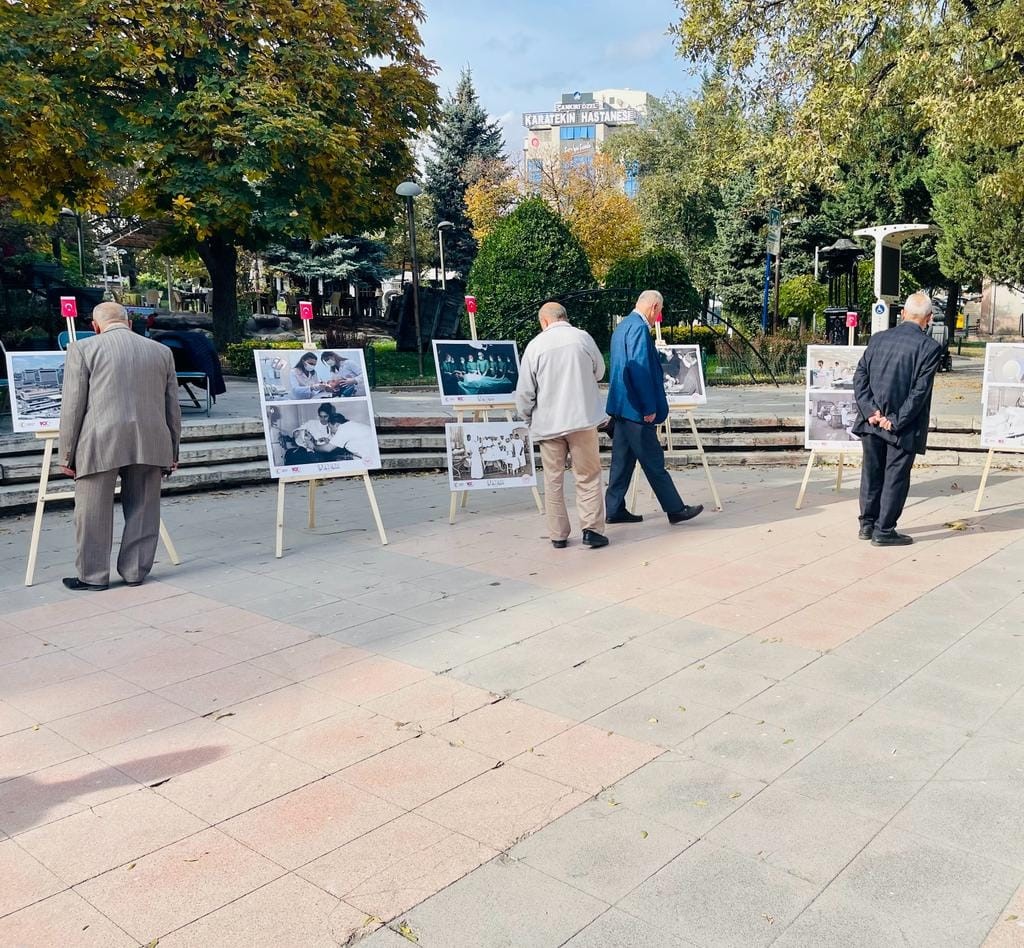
(552, 313)
(649, 305)
(918, 308)
(109, 314)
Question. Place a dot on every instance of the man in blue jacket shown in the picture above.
(636, 400)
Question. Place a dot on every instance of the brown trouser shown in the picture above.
(586, 467)
(94, 523)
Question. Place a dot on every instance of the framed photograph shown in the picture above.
(683, 375)
(316, 433)
(831, 368)
(1002, 421)
(35, 380)
(481, 372)
(830, 409)
(311, 374)
(486, 455)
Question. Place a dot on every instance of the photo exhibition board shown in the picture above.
(488, 455)
(683, 375)
(35, 380)
(830, 409)
(317, 413)
(1002, 396)
(476, 372)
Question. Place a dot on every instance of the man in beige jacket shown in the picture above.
(557, 396)
(119, 418)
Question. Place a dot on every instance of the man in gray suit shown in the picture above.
(119, 418)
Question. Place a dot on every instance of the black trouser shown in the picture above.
(634, 441)
(884, 482)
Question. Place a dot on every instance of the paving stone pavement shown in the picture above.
(748, 730)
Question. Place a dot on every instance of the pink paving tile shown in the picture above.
(310, 658)
(25, 879)
(266, 636)
(111, 834)
(88, 631)
(431, 702)
(62, 919)
(37, 747)
(310, 821)
(173, 607)
(174, 750)
(367, 679)
(740, 616)
(209, 623)
(38, 672)
(7, 629)
(1008, 932)
(178, 884)
(675, 603)
(120, 721)
(808, 631)
(416, 771)
(42, 617)
(287, 912)
(128, 597)
(59, 791)
(281, 711)
(11, 719)
(224, 687)
(587, 758)
(342, 740)
(502, 806)
(504, 729)
(75, 695)
(393, 868)
(132, 645)
(178, 661)
(16, 648)
(232, 785)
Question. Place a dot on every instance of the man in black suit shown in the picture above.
(893, 388)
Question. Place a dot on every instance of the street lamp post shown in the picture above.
(409, 190)
(442, 226)
(67, 212)
(778, 267)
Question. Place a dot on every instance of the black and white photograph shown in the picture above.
(35, 380)
(479, 372)
(1004, 363)
(683, 375)
(1002, 424)
(484, 455)
(830, 419)
(832, 367)
(311, 374)
(327, 437)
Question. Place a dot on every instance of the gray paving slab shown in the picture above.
(621, 930)
(1008, 721)
(716, 897)
(656, 714)
(504, 904)
(692, 640)
(717, 684)
(853, 679)
(968, 701)
(604, 850)
(802, 710)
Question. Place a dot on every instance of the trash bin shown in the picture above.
(835, 325)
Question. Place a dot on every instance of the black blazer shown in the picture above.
(895, 377)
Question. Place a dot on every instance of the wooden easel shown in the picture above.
(984, 477)
(313, 481)
(43, 493)
(807, 474)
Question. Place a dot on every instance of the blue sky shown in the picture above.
(525, 53)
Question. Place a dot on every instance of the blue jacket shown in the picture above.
(635, 383)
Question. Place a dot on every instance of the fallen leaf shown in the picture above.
(131, 865)
(958, 524)
(35, 727)
(770, 919)
(153, 943)
(789, 740)
(699, 667)
(700, 802)
(652, 720)
(682, 707)
(644, 563)
(735, 795)
(643, 834)
(370, 920)
(613, 802)
(1012, 918)
(197, 858)
(226, 714)
(407, 933)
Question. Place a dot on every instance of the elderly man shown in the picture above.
(893, 388)
(119, 418)
(557, 396)
(637, 402)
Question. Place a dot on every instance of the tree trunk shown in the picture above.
(221, 259)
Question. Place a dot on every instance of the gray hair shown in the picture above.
(917, 306)
(649, 298)
(106, 313)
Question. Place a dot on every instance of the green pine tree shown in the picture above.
(462, 142)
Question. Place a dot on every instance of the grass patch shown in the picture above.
(396, 368)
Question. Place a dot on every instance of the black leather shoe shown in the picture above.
(137, 583)
(866, 532)
(688, 512)
(73, 582)
(891, 539)
(559, 544)
(625, 517)
(594, 540)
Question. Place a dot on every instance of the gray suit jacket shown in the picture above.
(120, 403)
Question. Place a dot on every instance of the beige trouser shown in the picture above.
(586, 467)
(94, 523)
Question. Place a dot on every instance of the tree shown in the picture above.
(739, 252)
(529, 257)
(492, 195)
(661, 270)
(462, 141)
(244, 121)
(352, 259)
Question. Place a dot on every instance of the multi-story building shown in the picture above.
(575, 128)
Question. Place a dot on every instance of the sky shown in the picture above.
(525, 53)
